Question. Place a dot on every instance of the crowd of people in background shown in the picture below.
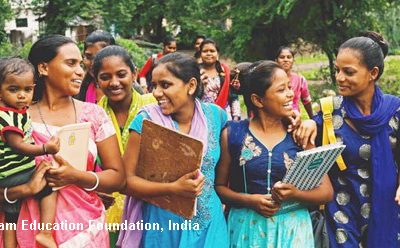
(241, 200)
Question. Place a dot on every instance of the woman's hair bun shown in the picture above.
(378, 39)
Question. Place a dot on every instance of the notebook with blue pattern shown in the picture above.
(310, 166)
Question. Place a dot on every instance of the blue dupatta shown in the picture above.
(384, 223)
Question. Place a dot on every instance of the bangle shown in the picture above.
(44, 149)
(6, 198)
(97, 182)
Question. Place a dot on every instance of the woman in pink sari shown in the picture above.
(80, 214)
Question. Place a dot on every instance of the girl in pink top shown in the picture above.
(285, 58)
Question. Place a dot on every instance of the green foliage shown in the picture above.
(120, 15)
(57, 13)
(391, 76)
(138, 55)
(318, 74)
(390, 24)
(24, 51)
(9, 50)
(312, 58)
(257, 29)
(6, 14)
(390, 86)
(6, 49)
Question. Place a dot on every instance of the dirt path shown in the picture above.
(310, 66)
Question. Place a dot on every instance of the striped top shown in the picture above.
(18, 121)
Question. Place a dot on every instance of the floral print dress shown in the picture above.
(255, 170)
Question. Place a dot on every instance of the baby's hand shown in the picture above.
(53, 145)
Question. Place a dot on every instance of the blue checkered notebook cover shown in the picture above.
(311, 165)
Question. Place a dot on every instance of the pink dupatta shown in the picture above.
(75, 207)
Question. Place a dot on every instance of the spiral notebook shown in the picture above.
(311, 165)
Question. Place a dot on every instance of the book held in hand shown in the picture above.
(165, 156)
(74, 145)
(311, 165)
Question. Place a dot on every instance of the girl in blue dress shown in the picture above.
(255, 156)
(176, 82)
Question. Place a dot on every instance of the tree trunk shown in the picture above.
(54, 23)
(331, 58)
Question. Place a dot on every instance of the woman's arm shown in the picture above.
(263, 204)
(319, 195)
(35, 185)
(309, 110)
(111, 179)
(190, 185)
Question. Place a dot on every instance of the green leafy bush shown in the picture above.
(311, 58)
(391, 76)
(24, 51)
(390, 86)
(319, 74)
(138, 54)
(8, 50)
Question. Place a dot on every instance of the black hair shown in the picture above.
(98, 36)
(109, 51)
(372, 49)
(281, 48)
(14, 65)
(43, 51)
(199, 37)
(209, 41)
(256, 79)
(183, 67)
(168, 40)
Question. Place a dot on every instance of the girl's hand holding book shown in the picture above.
(65, 174)
(189, 185)
(283, 192)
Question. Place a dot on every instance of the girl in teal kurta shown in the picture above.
(176, 85)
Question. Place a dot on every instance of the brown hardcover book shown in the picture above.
(165, 156)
